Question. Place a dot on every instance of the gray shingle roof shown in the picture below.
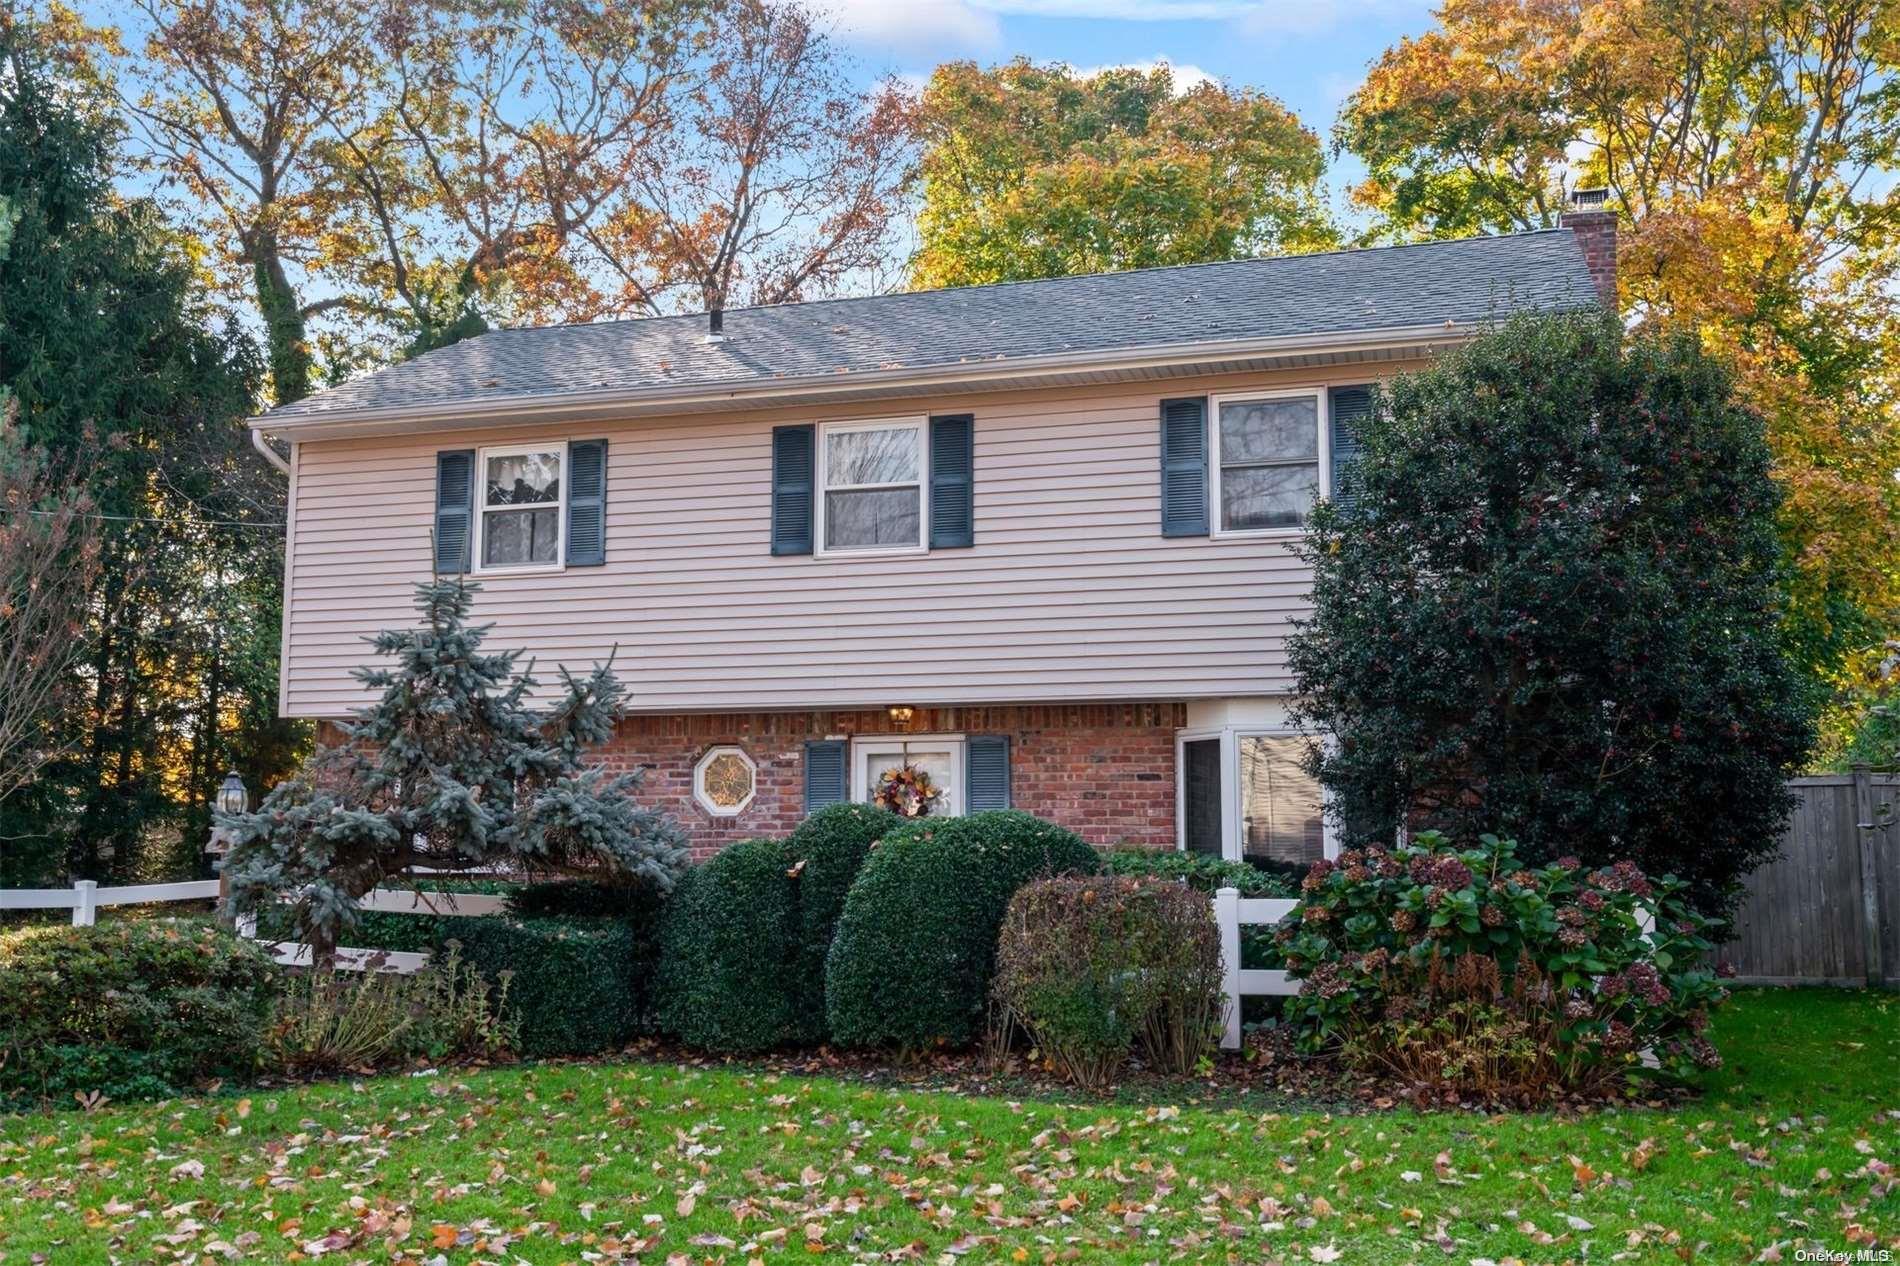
(1471, 280)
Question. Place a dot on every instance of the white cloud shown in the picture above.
(935, 27)
(1187, 76)
(1260, 17)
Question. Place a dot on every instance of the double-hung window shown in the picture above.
(872, 477)
(521, 508)
(1246, 795)
(1269, 466)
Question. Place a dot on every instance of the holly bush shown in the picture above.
(1469, 969)
(1549, 600)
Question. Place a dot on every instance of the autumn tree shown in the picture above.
(1035, 171)
(779, 179)
(232, 96)
(1747, 147)
(485, 141)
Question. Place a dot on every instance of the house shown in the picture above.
(1036, 540)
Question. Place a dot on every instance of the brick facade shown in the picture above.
(1105, 771)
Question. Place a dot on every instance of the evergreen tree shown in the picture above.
(1548, 604)
(449, 769)
(135, 395)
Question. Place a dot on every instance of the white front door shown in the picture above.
(938, 756)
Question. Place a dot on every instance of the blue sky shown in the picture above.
(1308, 53)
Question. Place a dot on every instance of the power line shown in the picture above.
(143, 518)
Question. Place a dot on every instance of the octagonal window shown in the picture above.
(724, 781)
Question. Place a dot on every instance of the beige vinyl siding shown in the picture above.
(1070, 593)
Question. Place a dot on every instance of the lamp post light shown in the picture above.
(232, 798)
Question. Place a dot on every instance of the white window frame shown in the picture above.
(869, 745)
(483, 509)
(699, 780)
(1230, 736)
(1323, 427)
(921, 426)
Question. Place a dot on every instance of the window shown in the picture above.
(940, 757)
(1268, 472)
(1246, 795)
(872, 477)
(522, 500)
(724, 781)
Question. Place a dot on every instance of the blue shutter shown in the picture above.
(792, 488)
(454, 510)
(825, 781)
(952, 514)
(1184, 467)
(1351, 409)
(986, 772)
(587, 503)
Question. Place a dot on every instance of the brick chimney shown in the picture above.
(1591, 219)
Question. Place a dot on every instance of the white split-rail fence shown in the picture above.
(85, 899)
(1231, 912)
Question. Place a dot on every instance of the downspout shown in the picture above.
(271, 455)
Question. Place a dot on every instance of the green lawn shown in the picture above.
(647, 1161)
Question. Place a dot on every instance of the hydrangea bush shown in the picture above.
(1463, 968)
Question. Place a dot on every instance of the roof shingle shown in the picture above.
(1469, 280)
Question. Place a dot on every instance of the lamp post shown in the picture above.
(232, 798)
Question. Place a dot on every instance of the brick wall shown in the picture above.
(1105, 771)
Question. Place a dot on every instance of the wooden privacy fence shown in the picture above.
(1827, 911)
(1231, 911)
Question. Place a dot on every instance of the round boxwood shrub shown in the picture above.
(574, 989)
(828, 850)
(131, 1009)
(1199, 871)
(911, 963)
(729, 951)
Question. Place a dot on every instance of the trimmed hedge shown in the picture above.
(910, 966)
(729, 951)
(1199, 871)
(131, 1009)
(577, 986)
(829, 848)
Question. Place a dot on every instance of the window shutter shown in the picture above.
(587, 503)
(986, 772)
(952, 513)
(825, 781)
(1351, 409)
(454, 508)
(792, 488)
(1184, 467)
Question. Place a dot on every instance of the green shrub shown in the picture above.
(575, 987)
(337, 1021)
(1199, 871)
(1468, 970)
(729, 951)
(828, 850)
(586, 898)
(131, 1008)
(1092, 967)
(911, 963)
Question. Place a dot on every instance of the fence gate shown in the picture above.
(1827, 910)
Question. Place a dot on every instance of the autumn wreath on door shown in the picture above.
(906, 790)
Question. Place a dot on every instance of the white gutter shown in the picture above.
(604, 404)
(262, 445)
